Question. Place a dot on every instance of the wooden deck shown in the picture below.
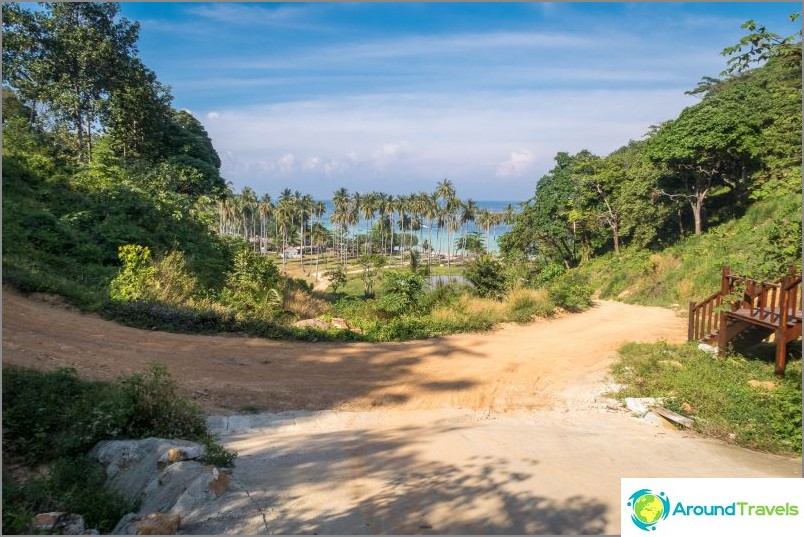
(743, 303)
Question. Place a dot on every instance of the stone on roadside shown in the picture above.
(337, 322)
(639, 406)
(60, 522)
(46, 521)
(707, 348)
(652, 418)
(177, 454)
(312, 323)
(151, 524)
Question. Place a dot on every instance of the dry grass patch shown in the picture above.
(305, 305)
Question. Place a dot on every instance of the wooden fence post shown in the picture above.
(691, 324)
(722, 336)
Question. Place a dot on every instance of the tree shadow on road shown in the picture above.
(397, 482)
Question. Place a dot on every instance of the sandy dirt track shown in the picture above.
(501, 432)
(512, 368)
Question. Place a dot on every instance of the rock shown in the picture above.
(181, 454)
(652, 418)
(639, 405)
(707, 348)
(46, 521)
(60, 522)
(151, 524)
(687, 408)
(672, 363)
(768, 385)
(72, 525)
(337, 322)
(312, 323)
(356, 330)
(132, 464)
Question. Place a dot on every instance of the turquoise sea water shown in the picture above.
(440, 242)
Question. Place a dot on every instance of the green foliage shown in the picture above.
(217, 455)
(251, 286)
(136, 275)
(73, 485)
(723, 402)
(54, 418)
(159, 410)
(371, 265)
(471, 242)
(337, 278)
(571, 291)
(402, 292)
(487, 276)
(762, 244)
(48, 415)
(524, 305)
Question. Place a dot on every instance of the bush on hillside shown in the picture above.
(487, 275)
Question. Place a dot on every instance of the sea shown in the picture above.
(441, 243)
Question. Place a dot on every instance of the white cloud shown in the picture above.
(518, 162)
(286, 162)
(405, 142)
(213, 115)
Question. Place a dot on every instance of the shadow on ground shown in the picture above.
(364, 481)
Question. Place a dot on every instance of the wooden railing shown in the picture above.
(770, 304)
(704, 319)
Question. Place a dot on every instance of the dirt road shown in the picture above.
(512, 368)
(500, 432)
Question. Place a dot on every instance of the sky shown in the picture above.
(394, 97)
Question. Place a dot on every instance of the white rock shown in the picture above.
(639, 405)
(707, 348)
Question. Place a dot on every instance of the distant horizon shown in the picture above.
(397, 96)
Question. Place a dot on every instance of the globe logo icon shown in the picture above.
(648, 508)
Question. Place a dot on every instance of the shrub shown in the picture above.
(571, 291)
(403, 292)
(487, 276)
(171, 282)
(524, 304)
(136, 275)
(159, 410)
(73, 485)
(337, 278)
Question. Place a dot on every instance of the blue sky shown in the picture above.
(395, 97)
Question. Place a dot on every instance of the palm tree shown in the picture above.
(484, 219)
(431, 212)
(350, 219)
(265, 210)
(383, 206)
(319, 208)
(340, 201)
(248, 205)
(318, 238)
(468, 214)
(453, 224)
(354, 207)
(283, 215)
(367, 210)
